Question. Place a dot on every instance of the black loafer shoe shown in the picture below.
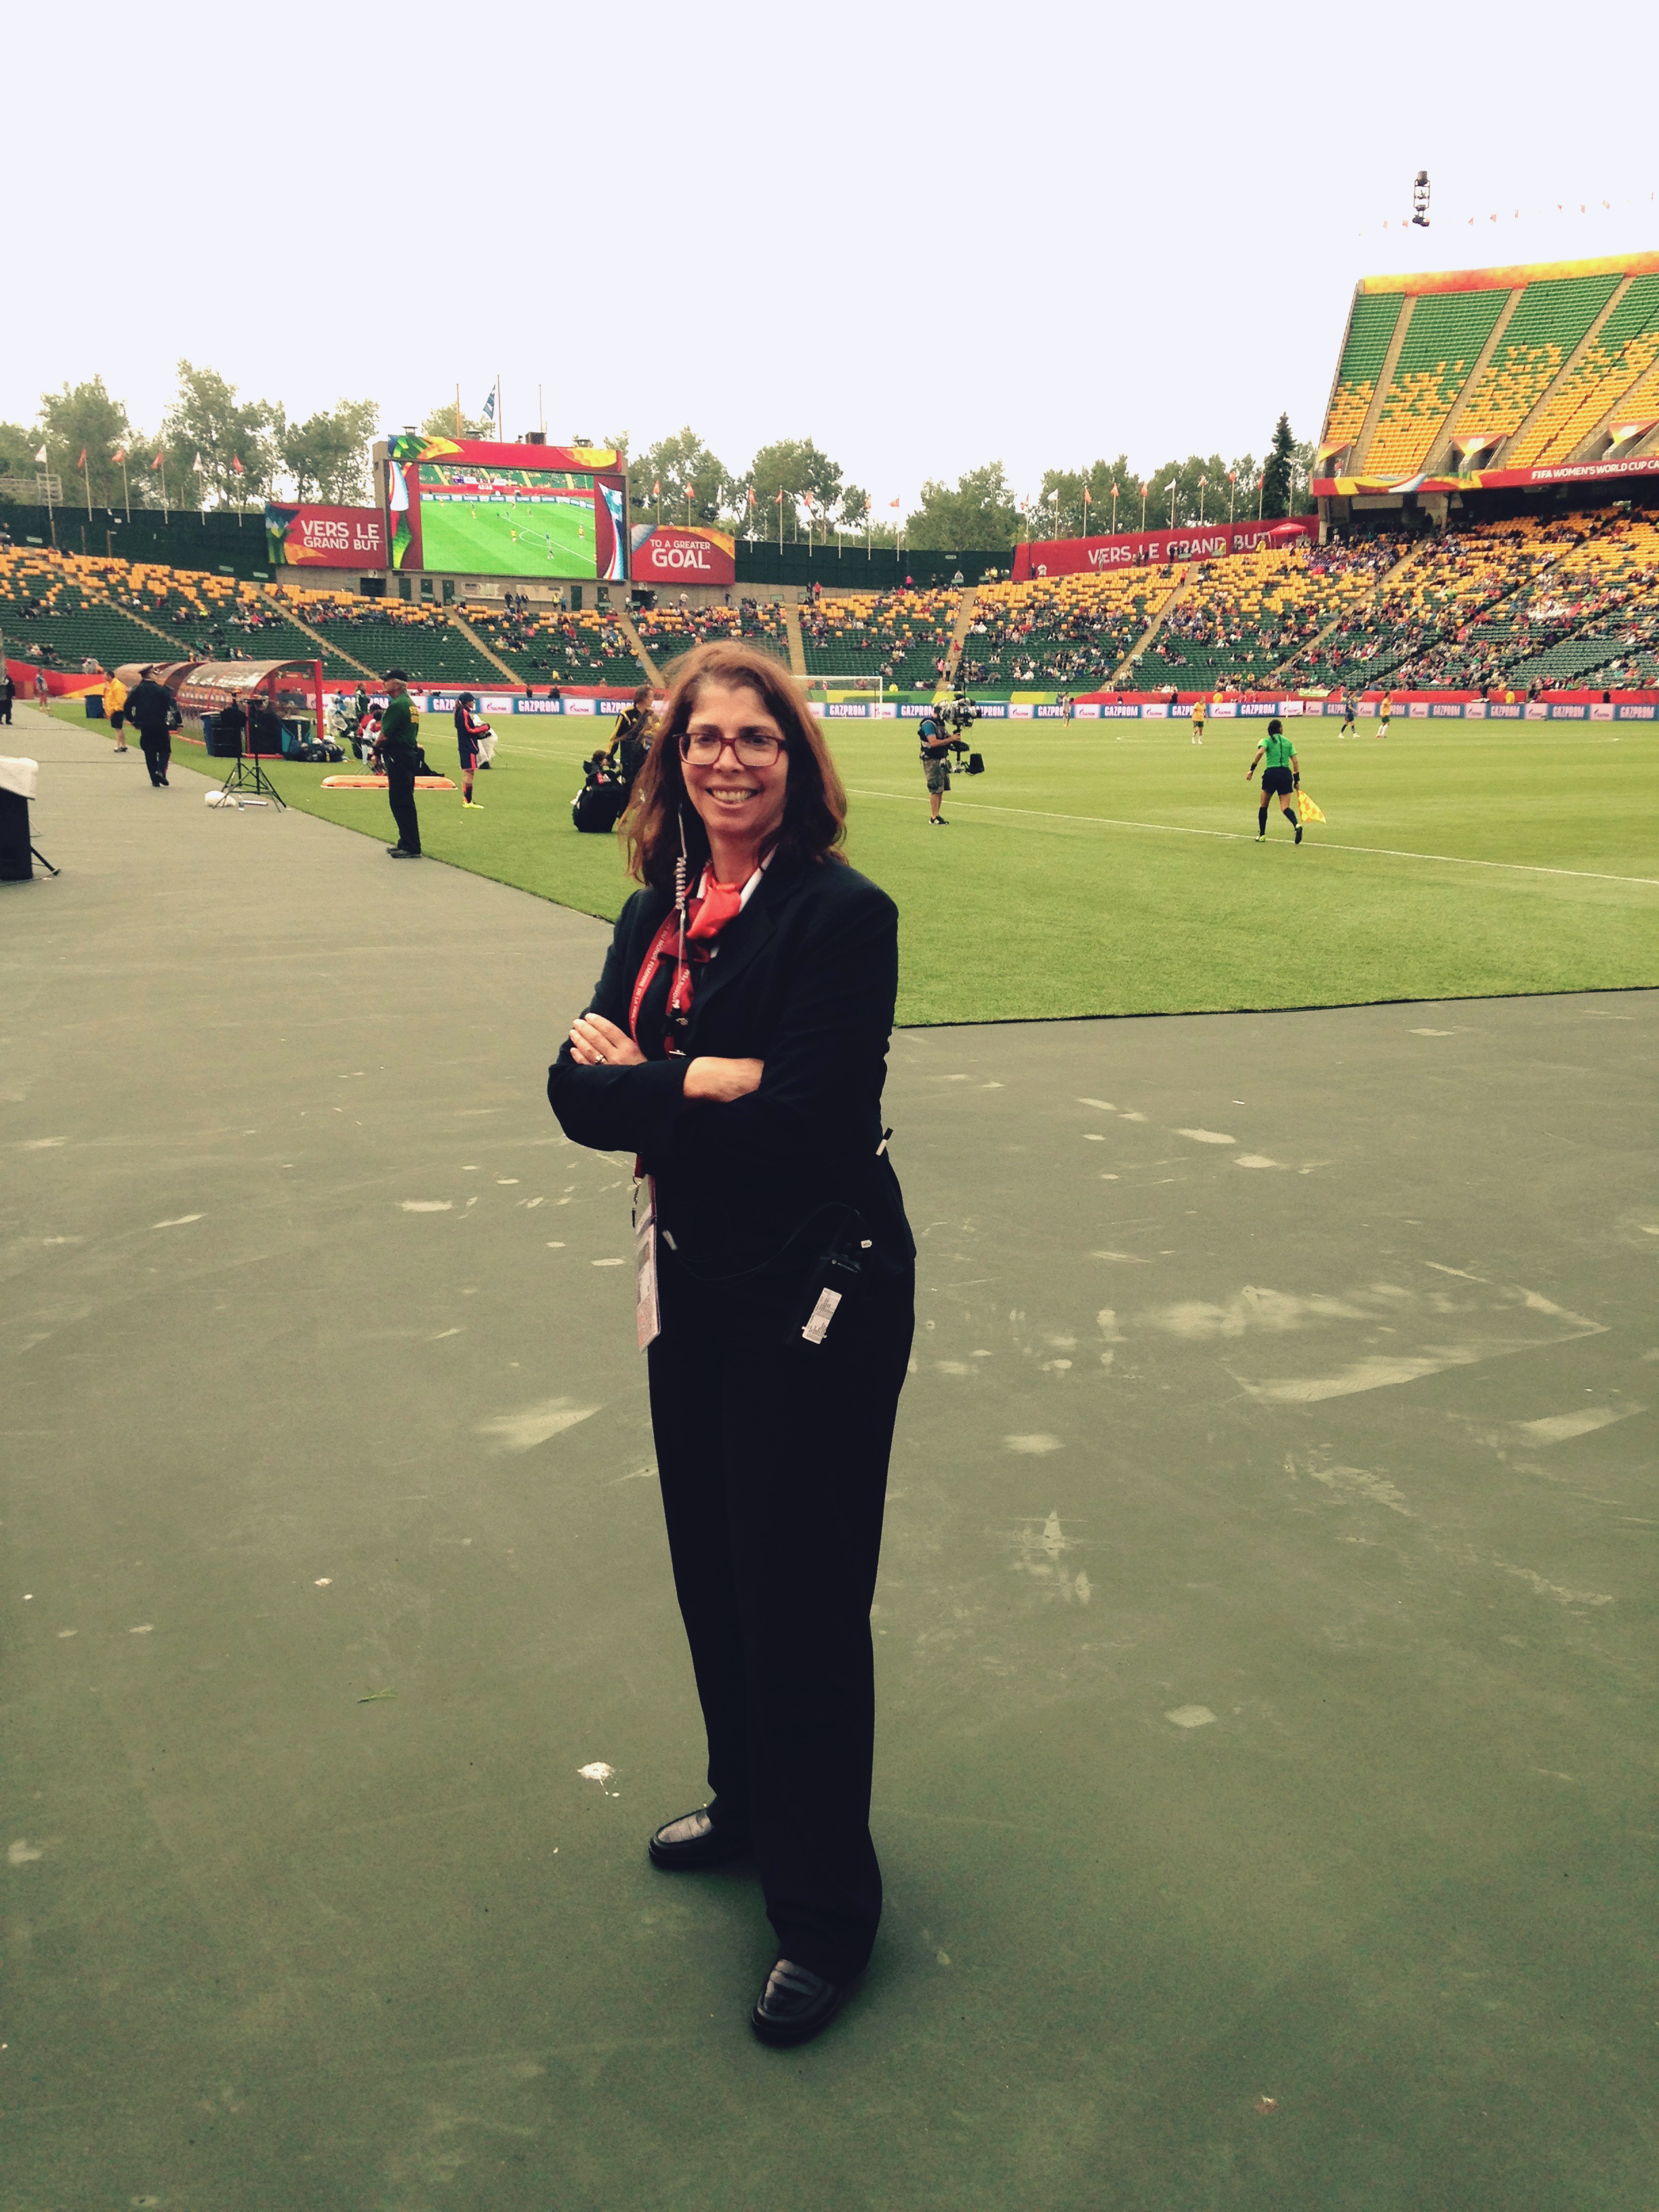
(796, 2003)
(696, 1839)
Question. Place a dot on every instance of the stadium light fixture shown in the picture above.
(1420, 199)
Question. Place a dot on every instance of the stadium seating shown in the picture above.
(1447, 332)
(1547, 387)
(901, 636)
(667, 631)
(1241, 620)
(1061, 633)
(76, 607)
(1624, 350)
(1370, 328)
(1550, 318)
(553, 645)
(1512, 603)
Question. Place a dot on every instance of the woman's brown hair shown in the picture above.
(815, 805)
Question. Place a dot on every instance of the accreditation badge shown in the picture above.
(647, 1305)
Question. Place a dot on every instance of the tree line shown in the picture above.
(681, 478)
(214, 448)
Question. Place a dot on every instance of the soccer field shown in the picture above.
(507, 537)
(1103, 869)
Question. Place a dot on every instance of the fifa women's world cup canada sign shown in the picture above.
(664, 553)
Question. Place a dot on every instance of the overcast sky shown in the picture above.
(925, 236)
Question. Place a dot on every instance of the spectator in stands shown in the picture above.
(400, 750)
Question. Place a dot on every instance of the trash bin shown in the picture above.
(95, 708)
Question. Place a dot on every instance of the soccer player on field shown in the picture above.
(1198, 711)
(1278, 778)
(1350, 709)
(1383, 713)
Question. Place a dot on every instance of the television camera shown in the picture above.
(951, 718)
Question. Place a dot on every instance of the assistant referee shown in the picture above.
(1281, 778)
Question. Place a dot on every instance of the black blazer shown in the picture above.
(804, 979)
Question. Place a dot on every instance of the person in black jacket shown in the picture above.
(736, 1043)
(151, 711)
(630, 739)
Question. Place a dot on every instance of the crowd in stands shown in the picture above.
(1058, 633)
(667, 630)
(1513, 604)
(556, 644)
(901, 636)
(1237, 623)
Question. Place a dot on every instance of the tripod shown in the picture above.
(249, 775)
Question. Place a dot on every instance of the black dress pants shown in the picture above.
(400, 796)
(773, 1460)
(158, 752)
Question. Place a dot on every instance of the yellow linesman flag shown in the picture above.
(1306, 809)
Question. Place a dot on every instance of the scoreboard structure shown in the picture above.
(460, 506)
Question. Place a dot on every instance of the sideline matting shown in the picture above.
(1265, 1696)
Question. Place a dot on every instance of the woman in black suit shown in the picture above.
(736, 1044)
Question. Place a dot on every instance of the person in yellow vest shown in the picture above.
(115, 699)
(1199, 710)
(1383, 711)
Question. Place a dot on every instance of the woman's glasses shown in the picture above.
(703, 748)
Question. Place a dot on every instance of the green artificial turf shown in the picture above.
(1069, 881)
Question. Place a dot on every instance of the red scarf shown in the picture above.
(721, 903)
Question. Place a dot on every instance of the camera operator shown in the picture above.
(937, 739)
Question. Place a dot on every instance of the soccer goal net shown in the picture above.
(839, 690)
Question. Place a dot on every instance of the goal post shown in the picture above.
(843, 690)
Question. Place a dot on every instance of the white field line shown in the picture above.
(1239, 837)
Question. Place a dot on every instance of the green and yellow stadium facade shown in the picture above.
(1509, 379)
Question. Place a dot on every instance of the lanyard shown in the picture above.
(664, 946)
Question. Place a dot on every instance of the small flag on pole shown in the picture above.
(751, 494)
(490, 407)
(41, 456)
(892, 502)
(156, 463)
(656, 489)
(117, 459)
(236, 463)
(1306, 809)
(82, 463)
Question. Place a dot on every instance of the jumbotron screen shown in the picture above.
(489, 510)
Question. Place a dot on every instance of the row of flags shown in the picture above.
(118, 460)
(777, 497)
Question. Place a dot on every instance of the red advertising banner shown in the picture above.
(664, 553)
(1072, 556)
(325, 537)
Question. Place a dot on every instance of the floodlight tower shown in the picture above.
(1420, 199)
